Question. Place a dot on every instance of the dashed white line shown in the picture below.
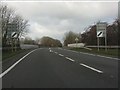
(61, 55)
(11, 67)
(55, 52)
(70, 59)
(91, 68)
(51, 51)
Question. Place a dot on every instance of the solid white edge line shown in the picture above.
(93, 54)
(61, 55)
(70, 59)
(11, 67)
(91, 68)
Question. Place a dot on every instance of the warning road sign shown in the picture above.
(100, 34)
(101, 29)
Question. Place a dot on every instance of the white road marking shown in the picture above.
(51, 51)
(87, 53)
(56, 52)
(11, 67)
(59, 48)
(87, 48)
(93, 54)
(91, 68)
(61, 55)
(70, 59)
(108, 57)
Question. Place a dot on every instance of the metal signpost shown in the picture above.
(101, 32)
(76, 39)
(14, 37)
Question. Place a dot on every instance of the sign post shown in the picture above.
(101, 32)
(76, 39)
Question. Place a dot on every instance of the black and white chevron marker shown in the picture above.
(100, 34)
(14, 34)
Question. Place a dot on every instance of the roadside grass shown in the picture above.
(8, 54)
(110, 52)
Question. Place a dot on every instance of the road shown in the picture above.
(61, 68)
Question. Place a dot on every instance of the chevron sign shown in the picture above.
(100, 34)
(101, 29)
(14, 34)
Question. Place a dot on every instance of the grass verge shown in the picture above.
(109, 52)
(8, 54)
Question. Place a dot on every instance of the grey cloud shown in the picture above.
(56, 18)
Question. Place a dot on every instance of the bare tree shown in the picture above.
(7, 15)
(50, 42)
(69, 38)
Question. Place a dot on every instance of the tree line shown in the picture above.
(89, 35)
(49, 42)
(45, 41)
(9, 16)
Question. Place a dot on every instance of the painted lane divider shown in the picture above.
(11, 67)
(91, 68)
(61, 55)
(51, 51)
(70, 59)
(55, 52)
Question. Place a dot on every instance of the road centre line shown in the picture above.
(56, 52)
(61, 55)
(91, 68)
(50, 50)
(70, 59)
(11, 67)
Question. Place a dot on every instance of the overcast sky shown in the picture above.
(54, 19)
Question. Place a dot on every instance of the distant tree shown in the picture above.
(28, 40)
(112, 34)
(89, 36)
(69, 38)
(7, 15)
(50, 42)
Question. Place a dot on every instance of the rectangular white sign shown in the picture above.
(11, 28)
(101, 29)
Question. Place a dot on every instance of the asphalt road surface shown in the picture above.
(60, 68)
